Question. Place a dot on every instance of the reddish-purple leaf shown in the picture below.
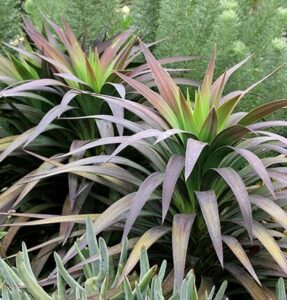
(258, 167)
(50, 116)
(173, 169)
(270, 207)
(262, 111)
(142, 196)
(181, 229)
(237, 185)
(208, 204)
(193, 151)
(135, 138)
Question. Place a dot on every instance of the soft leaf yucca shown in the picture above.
(213, 177)
(205, 183)
(37, 85)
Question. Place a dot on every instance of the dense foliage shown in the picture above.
(237, 28)
(101, 277)
(91, 132)
(10, 15)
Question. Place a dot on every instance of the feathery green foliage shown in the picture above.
(237, 28)
(53, 9)
(10, 16)
(145, 15)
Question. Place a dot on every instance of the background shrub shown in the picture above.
(10, 16)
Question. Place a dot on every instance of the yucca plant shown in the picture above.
(37, 85)
(214, 177)
(96, 276)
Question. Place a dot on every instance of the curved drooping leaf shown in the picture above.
(209, 207)
(262, 111)
(141, 197)
(181, 229)
(238, 187)
(173, 169)
(258, 167)
(239, 252)
(146, 240)
(193, 151)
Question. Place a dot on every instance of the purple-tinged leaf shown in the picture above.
(229, 136)
(145, 113)
(256, 163)
(36, 85)
(168, 133)
(205, 89)
(267, 124)
(237, 185)
(277, 137)
(50, 116)
(155, 99)
(162, 61)
(248, 282)
(270, 244)
(223, 78)
(181, 229)
(173, 169)
(209, 207)
(262, 111)
(142, 196)
(208, 204)
(135, 138)
(239, 252)
(193, 151)
(270, 207)
(115, 213)
(16, 144)
(167, 87)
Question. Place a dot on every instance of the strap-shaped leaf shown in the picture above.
(155, 99)
(269, 206)
(239, 252)
(167, 87)
(262, 111)
(270, 244)
(209, 128)
(237, 185)
(209, 207)
(229, 136)
(181, 229)
(134, 138)
(146, 240)
(258, 167)
(43, 125)
(141, 197)
(193, 151)
(173, 169)
(247, 281)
